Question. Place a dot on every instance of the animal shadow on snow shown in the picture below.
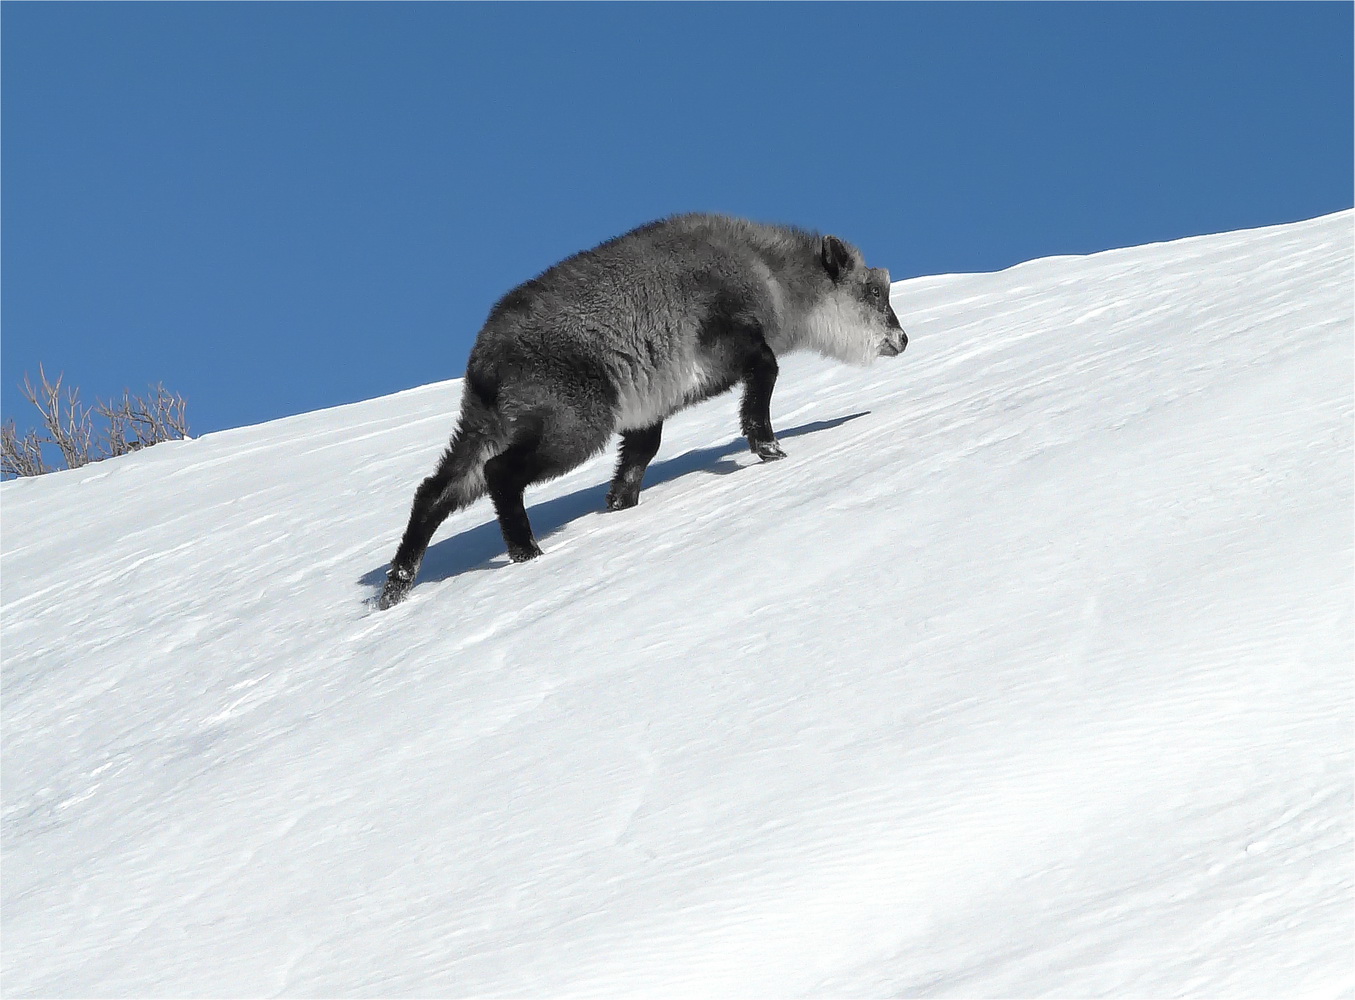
(481, 546)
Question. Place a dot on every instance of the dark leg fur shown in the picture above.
(729, 330)
(755, 414)
(545, 442)
(508, 474)
(456, 483)
(638, 448)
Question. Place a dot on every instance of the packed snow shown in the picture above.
(1027, 674)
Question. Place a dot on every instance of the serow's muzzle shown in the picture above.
(893, 344)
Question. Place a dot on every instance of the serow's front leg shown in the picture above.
(755, 414)
(637, 449)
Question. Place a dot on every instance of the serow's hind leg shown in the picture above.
(456, 483)
(545, 442)
(508, 474)
(638, 448)
(755, 414)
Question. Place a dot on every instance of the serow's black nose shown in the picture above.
(893, 347)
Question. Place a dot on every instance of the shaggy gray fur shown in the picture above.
(619, 337)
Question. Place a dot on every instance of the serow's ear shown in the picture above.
(837, 260)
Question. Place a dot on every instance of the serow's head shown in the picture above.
(855, 323)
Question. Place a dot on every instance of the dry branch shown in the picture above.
(128, 424)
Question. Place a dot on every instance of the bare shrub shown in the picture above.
(21, 456)
(122, 425)
(140, 421)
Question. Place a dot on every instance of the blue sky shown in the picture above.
(278, 207)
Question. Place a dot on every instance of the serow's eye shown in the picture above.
(874, 291)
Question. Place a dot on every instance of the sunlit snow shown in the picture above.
(1028, 673)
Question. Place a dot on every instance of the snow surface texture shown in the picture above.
(1029, 673)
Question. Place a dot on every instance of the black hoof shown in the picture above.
(522, 553)
(396, 589)
(622, 501)
(768, 451)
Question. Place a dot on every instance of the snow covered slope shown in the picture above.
(1027, 674)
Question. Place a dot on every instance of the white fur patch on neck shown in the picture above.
(838, 331)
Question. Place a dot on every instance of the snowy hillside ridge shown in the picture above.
(1027, 673)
